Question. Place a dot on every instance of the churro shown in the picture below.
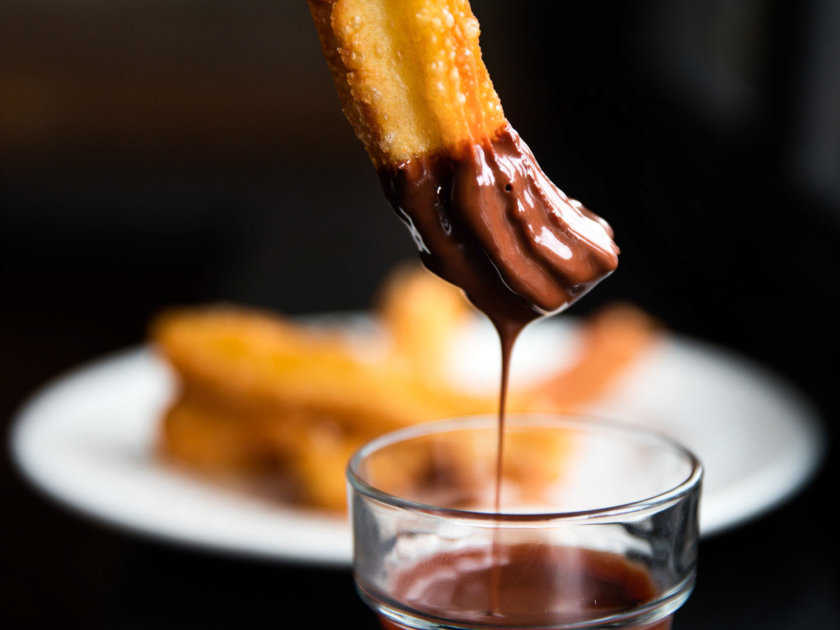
(281, 404)
(484, 216)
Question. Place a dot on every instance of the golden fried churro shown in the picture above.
(283, 404)
(463, 471)
(267, 363)
(421, 315)
(611, 339)
(409, 74)
(294, 455)
(210, 439)
(484, 216)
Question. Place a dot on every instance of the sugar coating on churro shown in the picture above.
(409, 74)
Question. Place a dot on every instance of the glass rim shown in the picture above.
(577, 421)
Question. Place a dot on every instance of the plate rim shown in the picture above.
(45, 488)
(759, 503)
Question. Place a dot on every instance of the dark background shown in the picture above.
(157, 153)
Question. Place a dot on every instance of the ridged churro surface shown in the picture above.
(409, 74)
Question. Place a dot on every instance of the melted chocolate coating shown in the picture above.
(486, 218)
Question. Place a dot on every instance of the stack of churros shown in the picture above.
(283, 403)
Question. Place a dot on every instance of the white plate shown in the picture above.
(87, 441)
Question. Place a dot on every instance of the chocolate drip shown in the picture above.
(487, 219)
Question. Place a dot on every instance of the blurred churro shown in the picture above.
(611, 339)
(421, 316)
(264, 363)
(277, 401)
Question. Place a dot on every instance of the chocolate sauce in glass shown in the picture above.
(486, 218)
(539, 586)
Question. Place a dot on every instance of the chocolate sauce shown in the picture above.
(539, 586)
(486, 218)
